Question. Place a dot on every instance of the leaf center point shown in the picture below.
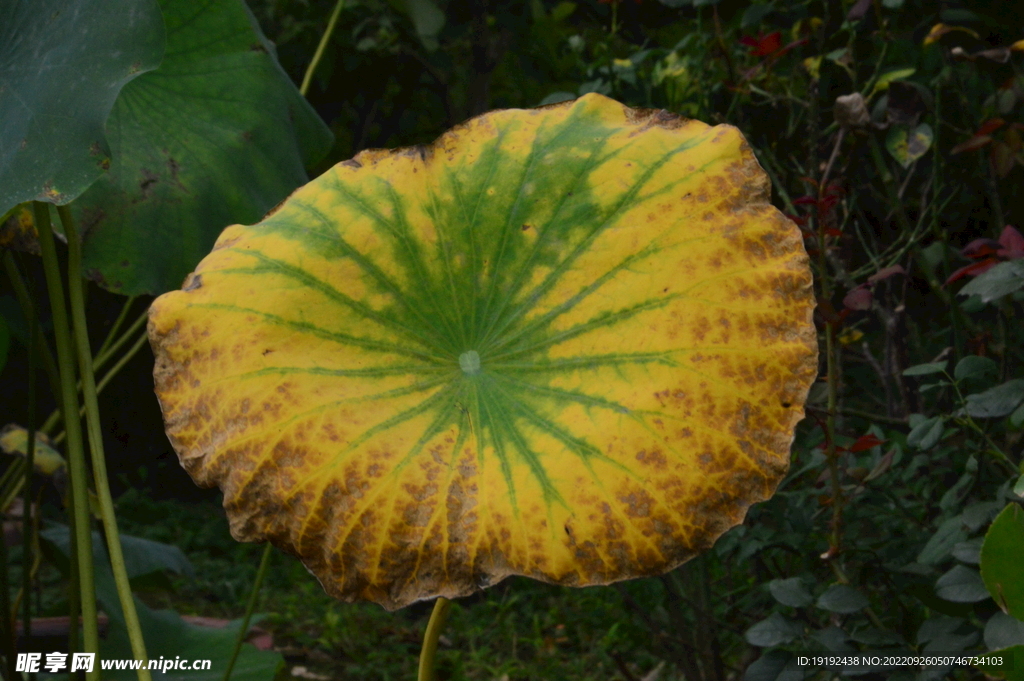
(469, 362)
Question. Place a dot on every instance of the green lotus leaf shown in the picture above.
(569, 342)
(217, 135)
(62, 64)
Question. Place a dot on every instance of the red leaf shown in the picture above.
(858, 299)
(865, 442)
(832, 231)
(976, 142)
(990, 126)
(805, 200)
(763, 45)
(885, 273)
(1012, 243)
(981, 248)
(973, 270)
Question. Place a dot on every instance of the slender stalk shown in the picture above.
(99, 464)
(318, 55)
(433, 633)
(7, 628)
(74, 597)
(30, 452)
(127, 357)
(75, 447)
(107, 377)
(261, 573)
(27, 304)
(99, 360)
(117, 325)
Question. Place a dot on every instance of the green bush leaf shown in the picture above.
(842, 598)
(995, 402)
(973, 366)
(1003, 631)
(942, 542)
(926, 434)
(790, 592)
(1017, 417)
(62, 64)
(774, 631)
(428, 19)
(1001, 280)
(217, 135)
(961, 585)
(774, 665)
(924, 369)
(968, 551)
(1002, 558)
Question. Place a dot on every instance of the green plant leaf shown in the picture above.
(842, 598)
(1012, 667)
(217, 135)
(886, 79)
(776, 630)
(973, 366)
(428, 19)
(1003, 631)
(935, 628)
(170, 637)
(905, 145)
(1003, 279)
(1017, 417)
(773, 665)
(62, 64)
(926, 434)
(141, 556)
(961, 585)
(950, 533)
(1002, 556)
(968, 551)
(790, 592)
(479, 358)
(998, 401)
(925, 369)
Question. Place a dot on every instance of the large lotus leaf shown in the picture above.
(217, 135)
(569, 342)
(62, 63)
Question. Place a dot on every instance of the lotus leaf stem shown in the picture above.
(25, 302)
(107, 377)
(27, 548)
(99, 360)
(318, 55)
(82, 536)
(429, 651)
(116, 325)
(257, 585)
(99, 464)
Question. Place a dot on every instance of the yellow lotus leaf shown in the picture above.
(45, 459)
(569, 342)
